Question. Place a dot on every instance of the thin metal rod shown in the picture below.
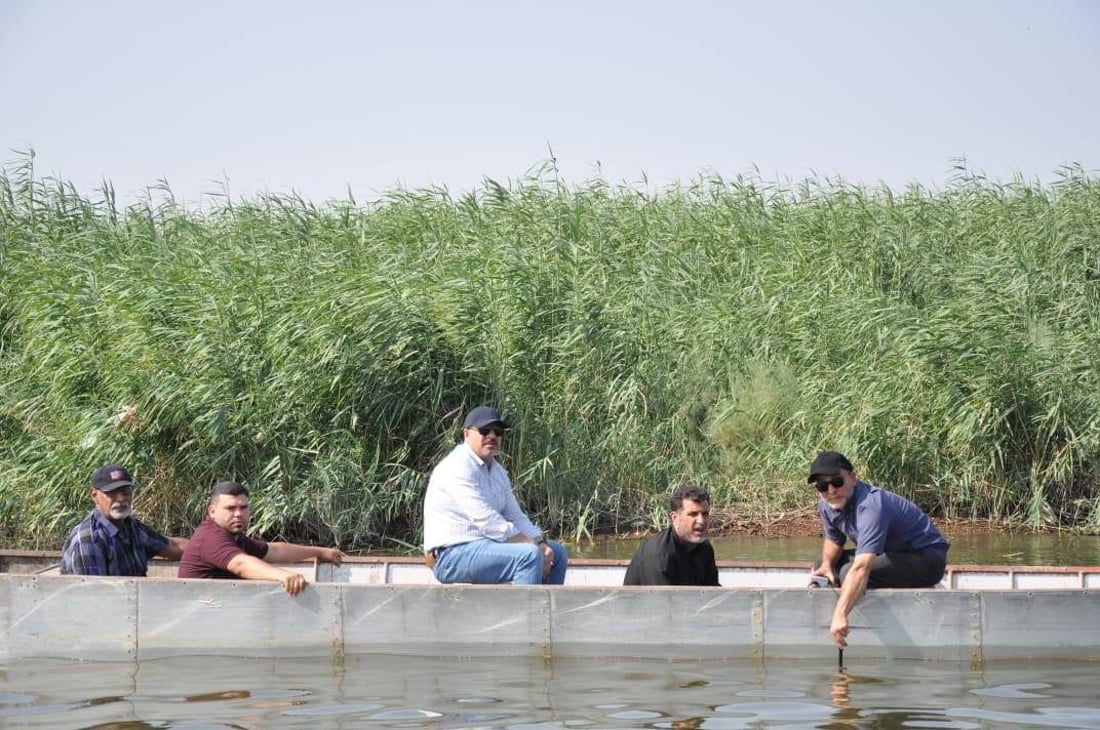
(840, 658)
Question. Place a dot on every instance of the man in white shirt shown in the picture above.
(474, 529)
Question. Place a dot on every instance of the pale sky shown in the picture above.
(321, 96)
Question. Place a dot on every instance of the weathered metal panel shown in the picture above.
(601, 576)
(406, 574)
(68, 617)
(884, 623)
(124, 619)
(982, 580)
(236, 618)
(1046, 624)
(660, 622)
(365, 573)
(758, 577)
(465, 620)
(1047, 581)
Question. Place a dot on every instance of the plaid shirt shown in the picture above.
(98, 547)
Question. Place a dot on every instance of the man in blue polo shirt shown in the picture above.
(110, 540)
(896, 545)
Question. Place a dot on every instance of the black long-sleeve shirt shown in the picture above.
(666, 560)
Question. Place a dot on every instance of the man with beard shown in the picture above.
(681, 555)
(221, 549)
(110, 540)
(896, 545)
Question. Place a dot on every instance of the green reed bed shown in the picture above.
(720, 331)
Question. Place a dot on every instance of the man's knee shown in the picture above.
(530, 555)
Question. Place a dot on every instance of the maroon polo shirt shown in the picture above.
(211, 548)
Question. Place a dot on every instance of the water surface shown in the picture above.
(523, 694)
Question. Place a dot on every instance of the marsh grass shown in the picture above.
(720, 331)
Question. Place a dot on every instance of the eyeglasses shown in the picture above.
(836, 481)
(495, 430)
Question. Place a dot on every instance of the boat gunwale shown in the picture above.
(55, 556)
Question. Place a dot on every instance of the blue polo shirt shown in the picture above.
(878, 521)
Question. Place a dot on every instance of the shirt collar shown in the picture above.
(111, 528)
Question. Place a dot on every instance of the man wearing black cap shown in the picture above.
(896, 545)
(474, 529)
(110, 540)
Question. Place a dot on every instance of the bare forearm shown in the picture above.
(252, 568)
(855, 583)
(287, 552)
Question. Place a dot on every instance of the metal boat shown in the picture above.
(393, 605)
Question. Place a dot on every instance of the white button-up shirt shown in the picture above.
(469, 499)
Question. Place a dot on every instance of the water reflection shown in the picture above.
(518, 693)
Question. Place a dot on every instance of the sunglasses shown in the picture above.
(495, 430)
(835, 481)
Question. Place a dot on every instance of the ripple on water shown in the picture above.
(477, 700)
(406, 714)
(1014, 691)
(332, 710)
(1061, 717)
(771, 693)
(776, 711)
(635, 715)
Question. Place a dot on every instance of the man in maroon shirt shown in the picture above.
(221, 549)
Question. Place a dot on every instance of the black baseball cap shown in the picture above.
(828, 463)
(483, 416)
(110, 477)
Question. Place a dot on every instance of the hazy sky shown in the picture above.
(320, 96)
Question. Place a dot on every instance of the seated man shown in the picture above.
(474, 529)
(680, 555)
(221, 549)
(110, 540)
(896, 545)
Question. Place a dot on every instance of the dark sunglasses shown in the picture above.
(834, 481)
(495, 430)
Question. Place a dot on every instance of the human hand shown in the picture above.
(839, 631)
(331, 555)
(547, 559)
(824, 572)
(293, 582)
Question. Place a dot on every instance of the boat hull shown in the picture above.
(126, 619)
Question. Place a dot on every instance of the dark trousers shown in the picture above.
(920, 569)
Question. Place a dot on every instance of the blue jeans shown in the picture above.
(488, 561)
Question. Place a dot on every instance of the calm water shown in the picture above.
(524, 694)
(1002, 548)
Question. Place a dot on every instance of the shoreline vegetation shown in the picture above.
(719, 331)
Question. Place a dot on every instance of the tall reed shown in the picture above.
(719, 331)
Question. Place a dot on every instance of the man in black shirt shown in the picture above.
(679, 555)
